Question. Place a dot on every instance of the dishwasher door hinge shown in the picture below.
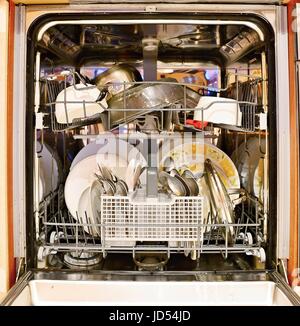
(282, 269)
(150, 9)
(40, 121)
(263, 122)
(21, 267)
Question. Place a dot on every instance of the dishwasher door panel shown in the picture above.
(175, 289)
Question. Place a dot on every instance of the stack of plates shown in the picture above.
(192, 155)
(249, 160)
(82, 192)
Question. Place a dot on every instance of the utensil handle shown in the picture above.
(86, 121)
(152, 182)
(152, 177)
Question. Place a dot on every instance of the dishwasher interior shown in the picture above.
(151, 146)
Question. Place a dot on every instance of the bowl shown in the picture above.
(115, 76)
(78, 102)
(143, 99)
(219, 110)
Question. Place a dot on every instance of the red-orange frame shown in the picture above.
(11, 262)
(294, 143)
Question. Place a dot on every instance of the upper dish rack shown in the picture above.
(171, 102)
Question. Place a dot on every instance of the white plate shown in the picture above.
(249, 162)
(193, 155)
(49, 170)
(65, 114)
(83, 175)
(95, 196)
(219, 110)
(95, 204)
(113, 146)
(41, 186)
(258, 180)
(88, 213)
(88, 207)
(204, 191)
(83, 210)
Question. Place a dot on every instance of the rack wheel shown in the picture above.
(42, 236)
(54, 260)
(40, 254)
(260, 237)
(249, 238)
(54, 236)
(241, 235)
(262, 255)
(43, 252)
(187, 252)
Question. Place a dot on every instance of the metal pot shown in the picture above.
(149, 97)
(114, 77)
(143, 99)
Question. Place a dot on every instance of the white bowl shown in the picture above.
(74, 109)
(219, 110)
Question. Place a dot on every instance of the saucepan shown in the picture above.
(117, 79)
(146, 98)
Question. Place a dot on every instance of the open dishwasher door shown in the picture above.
(160, 289)
(153, 157)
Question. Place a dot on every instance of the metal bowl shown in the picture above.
(148, 97)
(114, 77)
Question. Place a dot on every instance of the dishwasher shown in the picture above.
(151, 154)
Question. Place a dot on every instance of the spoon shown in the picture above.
(121, 188)
(124, 184)
(136, 175)
(133, 173)
(191, 183)
(100, 179)
(109, 187)
(163, 178)
(168, 164)
(184, 184)
(105, 172)
(188, 174)
(174, 172)
(174, 183)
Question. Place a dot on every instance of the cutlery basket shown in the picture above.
(174, 219)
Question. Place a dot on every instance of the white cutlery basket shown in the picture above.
(175, 219)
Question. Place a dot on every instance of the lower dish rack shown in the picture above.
(136, 223)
